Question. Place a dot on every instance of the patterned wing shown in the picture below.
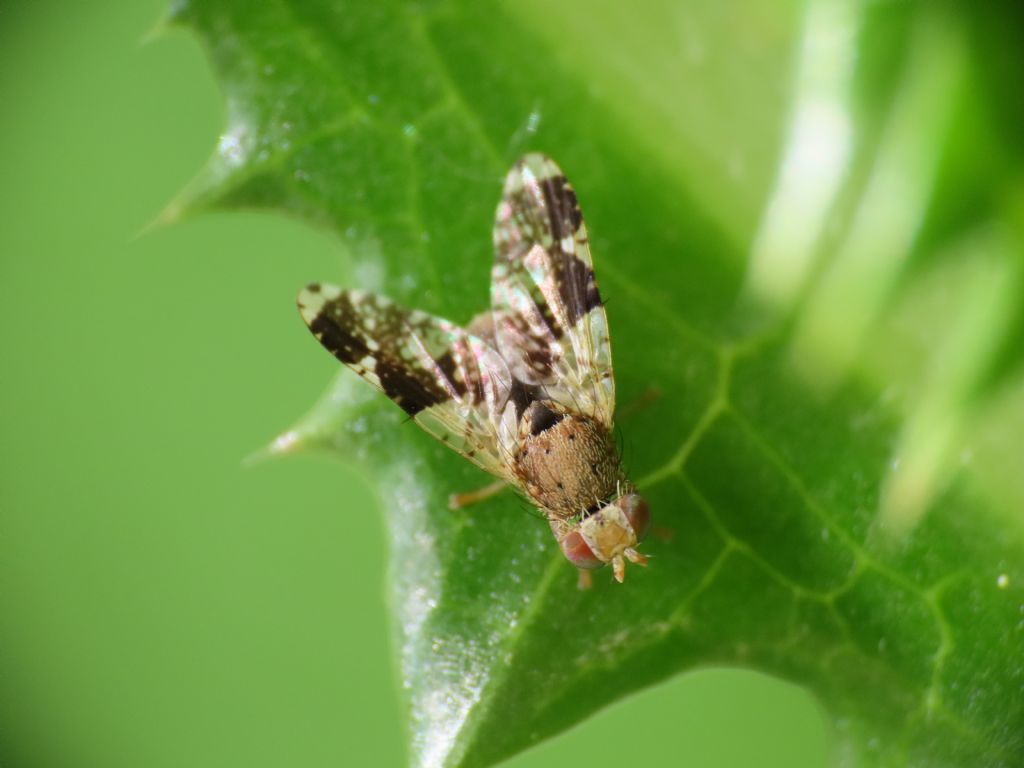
(450, 382)
(549, 321)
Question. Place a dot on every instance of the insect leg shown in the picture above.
(461, 500)
(585, 581)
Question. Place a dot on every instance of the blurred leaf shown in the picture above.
(772, 195)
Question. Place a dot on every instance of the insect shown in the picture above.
(526, 391)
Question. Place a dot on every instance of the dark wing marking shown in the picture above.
(549, 320)
(450, 382)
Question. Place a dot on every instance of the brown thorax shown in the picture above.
(568, 463)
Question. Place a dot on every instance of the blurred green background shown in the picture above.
(161, 603)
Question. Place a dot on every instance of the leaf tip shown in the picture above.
(286, 443)
(197, 196)
(155, 31)
(172, 213)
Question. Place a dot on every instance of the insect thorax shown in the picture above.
(568, 463)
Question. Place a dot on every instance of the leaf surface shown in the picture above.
(817, 342)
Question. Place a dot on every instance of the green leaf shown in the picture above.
(808, 220)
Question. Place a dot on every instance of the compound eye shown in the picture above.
(578, 552)
(638, 514)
